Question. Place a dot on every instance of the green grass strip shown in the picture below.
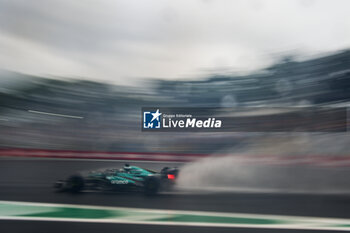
(75, 213)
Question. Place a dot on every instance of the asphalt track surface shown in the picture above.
(31, 180)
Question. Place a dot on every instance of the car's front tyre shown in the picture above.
(75, 184)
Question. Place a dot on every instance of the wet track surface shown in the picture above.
(31, 180)
(55, 227)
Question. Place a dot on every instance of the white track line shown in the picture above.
(306, 223)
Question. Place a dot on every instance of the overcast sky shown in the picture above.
(119, 40)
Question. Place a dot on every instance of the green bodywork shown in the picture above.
(132, 176)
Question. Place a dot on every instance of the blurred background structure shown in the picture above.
(76, 78)
(73, 114)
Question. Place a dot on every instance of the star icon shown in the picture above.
(156, 115)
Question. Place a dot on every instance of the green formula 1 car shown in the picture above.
(128, 178)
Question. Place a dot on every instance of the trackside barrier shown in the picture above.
(70, 154)
(309, 160)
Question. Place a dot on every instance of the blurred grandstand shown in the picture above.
(37, 112)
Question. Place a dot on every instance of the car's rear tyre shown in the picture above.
(151, 186)
(75, 184)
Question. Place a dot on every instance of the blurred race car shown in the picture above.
(128, 178)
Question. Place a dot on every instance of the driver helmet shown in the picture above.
(127, 167)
